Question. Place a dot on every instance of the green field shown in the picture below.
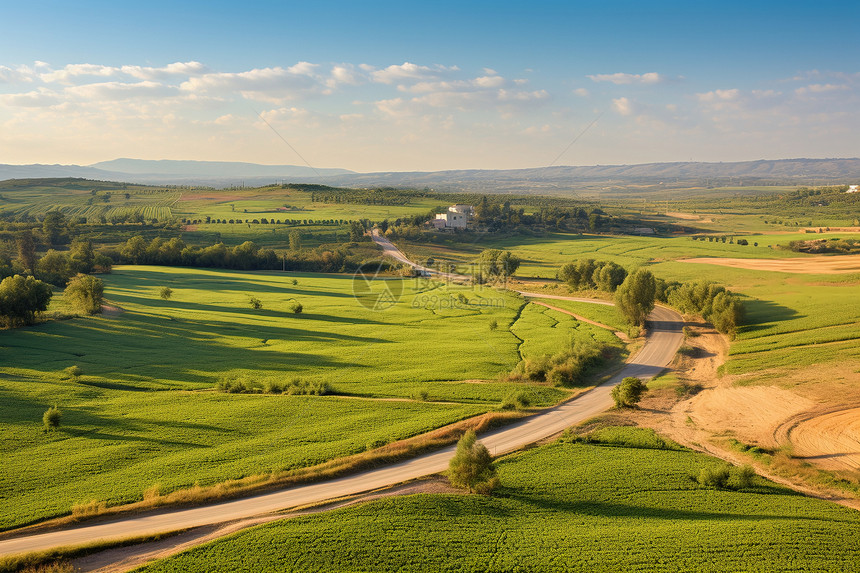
(563, 507)
(143, 410)
(804, 313)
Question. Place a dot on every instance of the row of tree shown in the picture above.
(586, 274)
(637, 293)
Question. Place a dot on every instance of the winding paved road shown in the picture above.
(662, 344)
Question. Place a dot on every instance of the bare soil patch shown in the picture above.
(814, 423)
(839, 264)
(111, 311)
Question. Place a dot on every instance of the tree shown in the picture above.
(635, 296)
(21, 298)
(472, 466)
(85, 294)
(629, 392)
(26, 250)
(54, 268)
(295, 241)
(51, 418)
(609, 276)
(81, 256)
(165, 293)
(498, 263)
(53, 226)
(356, 231)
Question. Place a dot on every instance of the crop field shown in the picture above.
(143, 411)
(89, 199)
(562, 507)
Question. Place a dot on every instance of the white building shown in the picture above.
(853, 189)
(457, 217)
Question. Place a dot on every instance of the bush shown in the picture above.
(165, 293)
(727, 477)
(472, 466)
(494, 324)
(518, 400)
(296, 307)
(85, 294)
(628, 393)
(72, 372)
(567, 368)
(255, 303)
(51, 418)
(421, 395)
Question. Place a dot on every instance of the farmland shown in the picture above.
(563, 507)
(142, 411)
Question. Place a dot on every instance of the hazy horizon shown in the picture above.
(388, 87)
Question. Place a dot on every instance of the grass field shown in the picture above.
(786, 312)
(143, 410)
(563, 507)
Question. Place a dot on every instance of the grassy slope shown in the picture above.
(565, 507)
(143, 411)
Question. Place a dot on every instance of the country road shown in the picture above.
(665, 337)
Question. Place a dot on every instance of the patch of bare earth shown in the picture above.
(837, 264)
(807, 424)
(111, 311)
(121, 559)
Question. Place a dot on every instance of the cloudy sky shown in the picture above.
(373, 86)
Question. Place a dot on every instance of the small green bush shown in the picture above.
(165, 293)
(727, 477)
(72, 372)
(628, 393)
(296, 307)
(51, 418)
(421, 395)
(518, 400)
(494, 324)
(255, 303)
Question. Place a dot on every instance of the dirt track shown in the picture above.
(838, 264)
(830, 440)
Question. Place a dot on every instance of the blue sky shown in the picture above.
(403, 86)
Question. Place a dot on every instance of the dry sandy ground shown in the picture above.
(838, 264)
(814, 423)
(123, 559)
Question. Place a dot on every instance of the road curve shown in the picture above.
(663, 342)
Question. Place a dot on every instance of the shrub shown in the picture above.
(51, 418)
(255, 303)
(296, 307)
(628, 393)
(472, 466)
(518, 400)
(165, 293)
(72, 372)
(494, 324)
(727, 477)
(421, 395)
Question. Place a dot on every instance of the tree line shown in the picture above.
(636, 293)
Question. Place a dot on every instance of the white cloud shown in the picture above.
(114, 91)
(719, 95)
(625, 79)
(10, 75)
(265, 84)
(39, 98)
(820, 88)
(581, 92)
(622, 105)
(170, 70)
(74, 71)
(409, 71)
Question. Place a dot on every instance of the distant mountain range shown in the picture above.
(549, 180)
